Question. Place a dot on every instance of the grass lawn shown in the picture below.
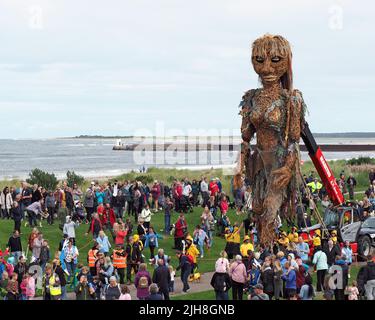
(53, 234)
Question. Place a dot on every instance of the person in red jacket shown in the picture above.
(95, 226)
(155, 192)
(213, 188)
(180, 231)
(109, 214)
(224, 205)
(121, 234)
(178, 197)
(300, 274)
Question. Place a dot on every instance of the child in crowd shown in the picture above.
(200, 238)
(27, 287)
(125, 292)
(151, 241)
(44, 254)
(172, 273)
(353, 291)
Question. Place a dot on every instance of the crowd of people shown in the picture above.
(118, 216)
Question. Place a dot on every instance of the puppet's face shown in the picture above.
(270, 67)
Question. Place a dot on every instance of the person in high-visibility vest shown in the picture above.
(315, 186)
(119, 262)
(51, 284)
(91, 258)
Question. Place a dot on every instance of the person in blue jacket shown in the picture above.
(104, 244)
(290, 279)
(151, 241)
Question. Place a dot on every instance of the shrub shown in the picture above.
(41, 178)
(72, 178)
(144, 179)
(360, 160)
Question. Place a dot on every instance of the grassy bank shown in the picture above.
(168, 175)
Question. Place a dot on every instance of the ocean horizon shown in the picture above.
(93, 157)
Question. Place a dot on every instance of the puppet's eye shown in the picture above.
(259, 59)
(275, 59)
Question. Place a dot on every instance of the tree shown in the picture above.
(72, 178)
(43, 179)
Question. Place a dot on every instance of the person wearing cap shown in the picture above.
(192, 250)
(317, 238)
(133, 257)
(258, 293)
(233, 239)
(333, 236)
(293, 235)
(283, 240)
(246, 246)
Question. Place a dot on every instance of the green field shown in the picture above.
(54, 235)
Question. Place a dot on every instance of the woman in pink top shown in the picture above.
(120, 235)
(222, 264)
(237, 272)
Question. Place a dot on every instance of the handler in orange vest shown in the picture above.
(91, 258)
(119, 262)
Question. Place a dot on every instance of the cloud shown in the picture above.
(186, 63)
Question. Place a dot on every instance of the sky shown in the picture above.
(148, 66)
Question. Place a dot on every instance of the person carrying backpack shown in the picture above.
(142, 282)
(221, 283)
(112, 291)
(88, 202)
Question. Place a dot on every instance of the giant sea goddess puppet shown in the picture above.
(275, 114)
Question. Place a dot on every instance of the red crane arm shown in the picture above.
(321, 165)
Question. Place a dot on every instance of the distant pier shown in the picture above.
(234, 147)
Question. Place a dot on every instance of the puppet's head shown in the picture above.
(272, 60)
